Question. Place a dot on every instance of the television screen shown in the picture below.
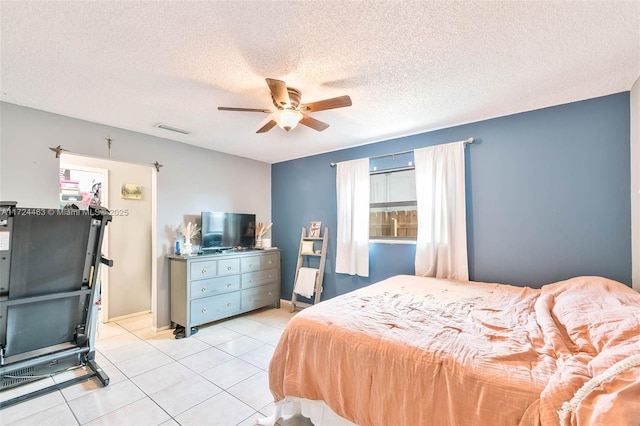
(224, 231)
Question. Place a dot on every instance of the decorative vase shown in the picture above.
(258, 242)
(187, 248)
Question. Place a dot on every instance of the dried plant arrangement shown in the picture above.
(189, 231)
(261, 229)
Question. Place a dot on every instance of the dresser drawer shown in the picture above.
(270, 261)
(253, 279)
(228, 266)
(203, 269)
(214, 308)
(213, 286)
(257, 297)
(250, 263)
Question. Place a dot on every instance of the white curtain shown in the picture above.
(441, 246)
(352, 187)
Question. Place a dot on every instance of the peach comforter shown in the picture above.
(422, 351)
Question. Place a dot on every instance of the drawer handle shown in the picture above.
(204, 310)
(229, 285)
(228, 268)
(270, 262)
(270, 294)
(229, 304)
(251, 265)
(204, 271)
(250, 281)
(270, 276)
(204, 289)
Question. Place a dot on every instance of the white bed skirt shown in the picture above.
(319, 413)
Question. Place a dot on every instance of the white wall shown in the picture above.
(635, 184)
(192, 180)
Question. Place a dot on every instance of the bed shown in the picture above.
(422, 351)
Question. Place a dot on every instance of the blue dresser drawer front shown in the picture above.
(214, 308)
(271, 260)
(257, 297)
(250, 263)
(203, 269)
(213, 286)
(228, 266)
(253, 279)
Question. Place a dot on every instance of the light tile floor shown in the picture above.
(215, 377)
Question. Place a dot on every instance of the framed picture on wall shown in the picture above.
(130, 191)
(314, 229)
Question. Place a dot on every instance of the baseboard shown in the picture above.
(123, 317)
(286, 304)
(302, 305)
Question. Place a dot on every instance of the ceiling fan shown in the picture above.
(290, 111)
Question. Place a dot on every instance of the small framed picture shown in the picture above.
(307, 247)
(314, 229)
(131, 191)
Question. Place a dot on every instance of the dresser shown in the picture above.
(208, 288)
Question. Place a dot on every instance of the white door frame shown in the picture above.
(154, 248)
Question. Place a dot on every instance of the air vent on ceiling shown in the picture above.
(172, 129)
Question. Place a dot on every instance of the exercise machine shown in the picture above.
(50, 263)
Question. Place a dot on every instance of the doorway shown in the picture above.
(128, 190)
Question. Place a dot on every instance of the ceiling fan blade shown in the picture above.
(279, 92)
(270, 124)
(313, 123)
(339, 102)
(244, 109)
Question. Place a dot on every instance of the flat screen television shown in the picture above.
(224, 231)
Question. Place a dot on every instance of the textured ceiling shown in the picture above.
(409, 67)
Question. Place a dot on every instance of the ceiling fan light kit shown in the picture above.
(289, 112)
(287, 119)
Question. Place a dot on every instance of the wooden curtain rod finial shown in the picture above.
(58, 150)
(157, 166)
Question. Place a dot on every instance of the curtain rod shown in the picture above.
(466, 141)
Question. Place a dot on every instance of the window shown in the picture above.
(393, 207)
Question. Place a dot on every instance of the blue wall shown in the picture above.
(548, 198)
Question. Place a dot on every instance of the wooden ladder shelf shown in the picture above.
(311, 248)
